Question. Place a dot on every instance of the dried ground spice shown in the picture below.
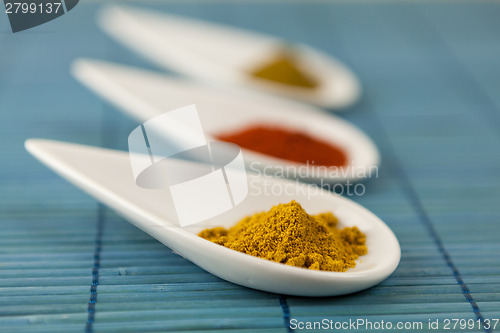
(288, 235)
(283, 69)
(290, 145)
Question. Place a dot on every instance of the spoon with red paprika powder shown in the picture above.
(279, 137)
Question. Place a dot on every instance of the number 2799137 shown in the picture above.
(32, 8)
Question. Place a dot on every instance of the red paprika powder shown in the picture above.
(287, 144)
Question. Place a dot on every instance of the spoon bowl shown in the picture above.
(225, 55)
(106, 175)
(145, 94)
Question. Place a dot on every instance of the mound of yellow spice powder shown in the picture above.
(287, 234)
(283, 69)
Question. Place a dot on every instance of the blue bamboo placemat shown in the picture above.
(431, 102)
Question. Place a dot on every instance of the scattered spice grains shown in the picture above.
(287, 234)
(287, 144)
(283, 69)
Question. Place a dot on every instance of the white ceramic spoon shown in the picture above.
(145, 94)
(106, 175)
(225, 55)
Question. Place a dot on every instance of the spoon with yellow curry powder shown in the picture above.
(106, 175)
(287, 234)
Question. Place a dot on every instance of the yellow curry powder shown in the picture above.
(287, 234)
(283, 69)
